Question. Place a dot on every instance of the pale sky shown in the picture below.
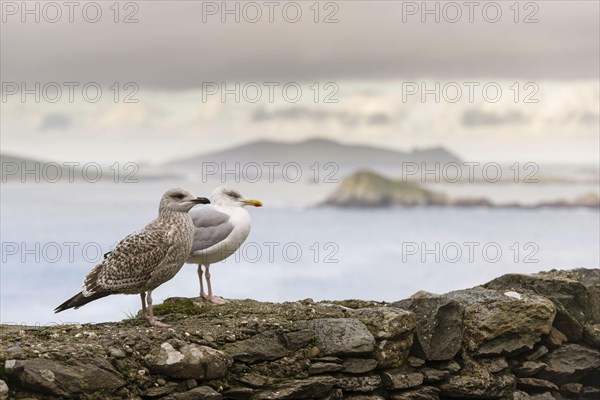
(371, 54)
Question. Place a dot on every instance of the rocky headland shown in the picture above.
(370, 189)
(517, 337)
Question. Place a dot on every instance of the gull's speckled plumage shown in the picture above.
(146, 259)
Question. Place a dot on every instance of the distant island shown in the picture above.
(308, 152)
(369, 189)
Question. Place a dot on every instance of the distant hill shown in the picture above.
(317, 150)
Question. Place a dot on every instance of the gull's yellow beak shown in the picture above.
(255, 203)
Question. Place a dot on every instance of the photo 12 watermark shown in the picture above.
(470, 172)
(453, 12)
(272, 252)
(68, 172)
(252, 12)
(470, 252)
(53, 12)
(271, 92)
(71, 92)
(470, 92)
(270, 171)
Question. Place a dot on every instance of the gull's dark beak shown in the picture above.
(201, 200)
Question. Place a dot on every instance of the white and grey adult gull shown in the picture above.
(220, 228)
(145, 259)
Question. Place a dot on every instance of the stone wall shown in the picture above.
(517, 337)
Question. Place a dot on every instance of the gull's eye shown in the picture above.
(178, 196)
(233, 195)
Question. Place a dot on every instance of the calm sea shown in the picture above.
(52, 235)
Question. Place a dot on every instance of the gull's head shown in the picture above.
(229, 197)
(180, 200)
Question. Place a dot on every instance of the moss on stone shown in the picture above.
(179, 305)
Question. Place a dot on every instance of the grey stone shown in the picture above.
(575, 293)
(431, 375)
(555, 338)
(422, 393)
(56, 378)
(363, 384)
(359, 365)
(262, 347)
(320, 367)
(474, 381)
(386, 322)
(3, 390)
(496, 324)
(395, 380)
(494, 364)
(365, 397)
(299, 339)
(535, 384)
(253, 380)
(309, 388)
(520, 395)
(439, 326)
(415, 362)
(188, 361)
(569, 363)
(571, 389)
(392, 353)
(116, 352)
(342, 336)
(14, 352)
(450, 366)
(529, 368)
(537, 354)
(591, 335)
(199, 393)
(543, 396)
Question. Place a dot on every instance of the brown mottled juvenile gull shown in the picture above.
(220, 228)
(146, 259)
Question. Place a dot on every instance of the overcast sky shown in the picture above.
(172, 48)
(375, 46)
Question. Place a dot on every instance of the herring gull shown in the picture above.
(145, 259)
(220, 228)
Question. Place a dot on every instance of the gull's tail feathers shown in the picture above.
(79, 300)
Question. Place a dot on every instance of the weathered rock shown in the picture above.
(538, 353)
(320, 367)
(199, 393)
(342, 336)
(422, 393)
(396, 380)
(392, 353)
(571, 389)
(529, 368)
(499, 324)
(253, 380)
(569, 363)
(61, 379)
(519, 395)
(359, 365)
(555, 338)
(576, 294)
(474, 381)
(364, 384)
(535, 384)
(310, 388)
(261, 347)
(386, 322)
(439, 326)
(494, 364)
(415, 362)
(591, 393)
(431, 375)
(365, 397)
(3, 390)
(543, 396)
(591, 335)
(188, 361)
